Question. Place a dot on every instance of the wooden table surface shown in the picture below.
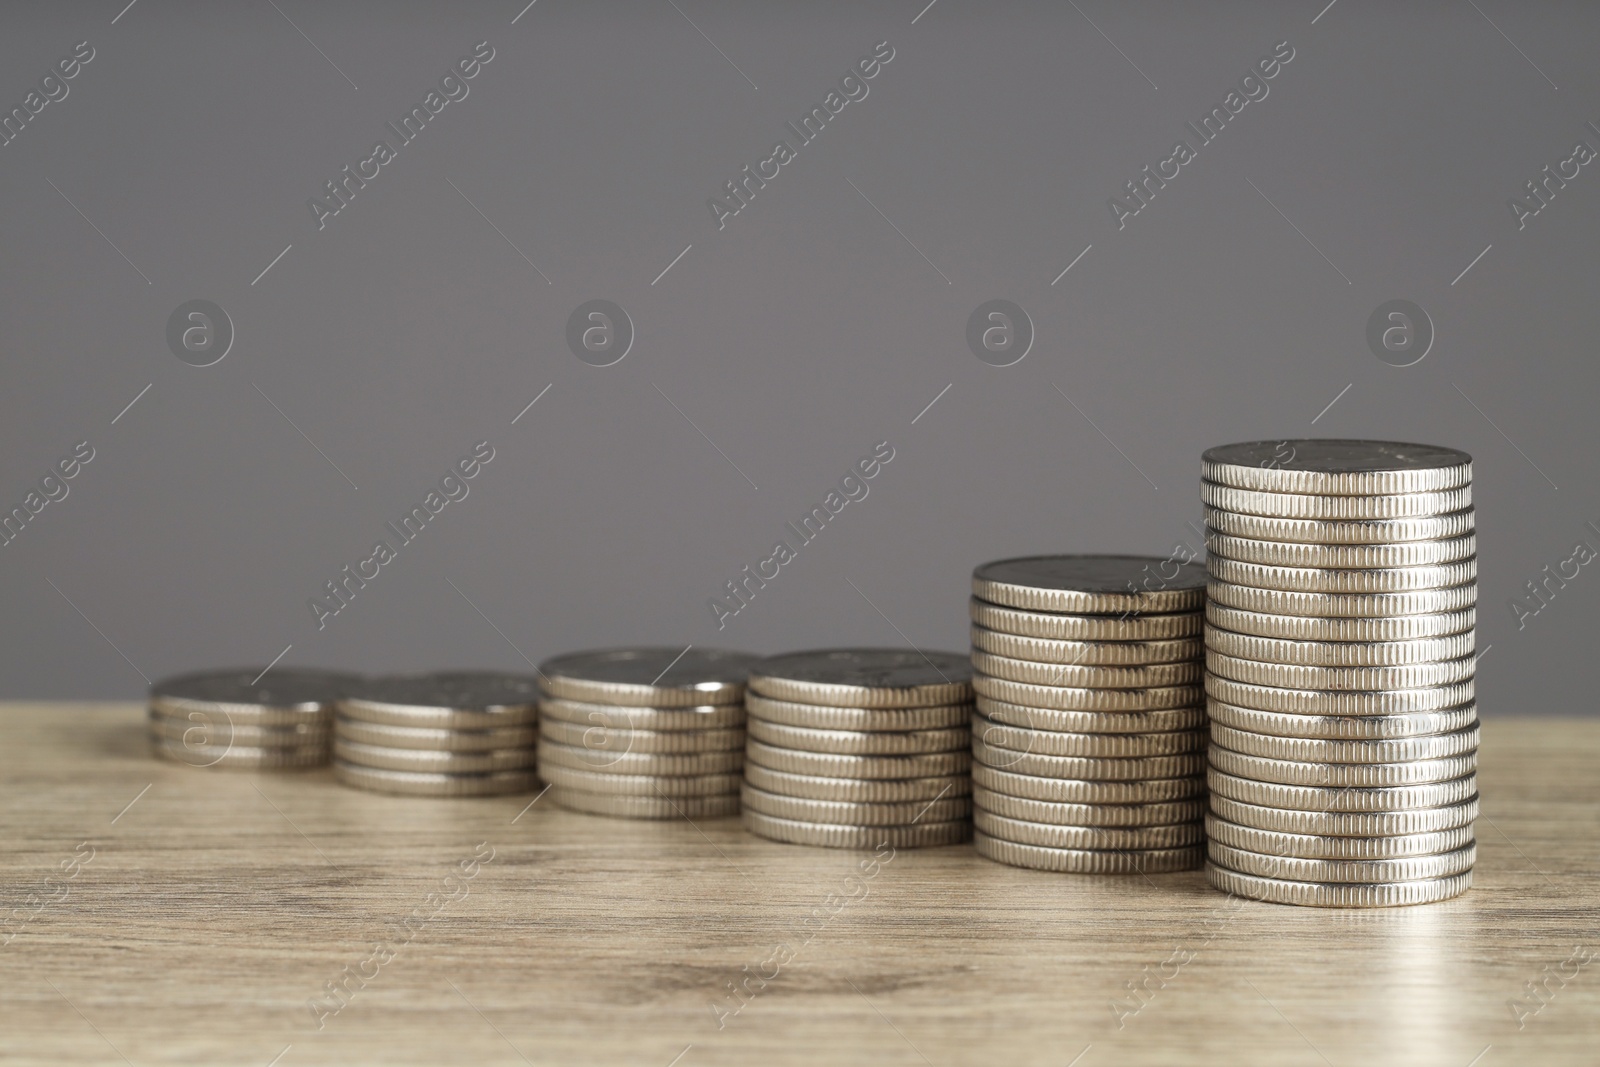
(196, 917)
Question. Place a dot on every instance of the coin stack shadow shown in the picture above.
(644, 733)
(247, 719)
(1089, 730)
(448, 734)
(1339, 671)
(860, 748)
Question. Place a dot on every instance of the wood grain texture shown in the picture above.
(220, 903)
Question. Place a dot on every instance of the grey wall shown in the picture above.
(805, 331)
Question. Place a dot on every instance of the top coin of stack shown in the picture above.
(275, 719)
(1340, 656)
(449, 734)
(1089, 728)
(860, 748)
(644, 733)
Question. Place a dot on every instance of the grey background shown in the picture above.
(797, 337)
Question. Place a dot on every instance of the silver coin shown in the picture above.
(1088, 861)
(830, 765)
(438, 739)
(1357, 824)
(1300, 676)
(1062, 813)
(1340, 653)
(849, 813)
(1327, 847)
(1332, 895)
(625, 806)
(626, 739)
(1300, 869)
(861, 742)
(1087, 653)
(1340, 799)
(1092, 722)
(1330, 750)
(1065, 674)
(207, 731)
(831, 835)
(1088, 768)
(893, 720)
(464, 700)
(1095, 838)
(1345, 605)
(1334, 466)
(1059, 626)
(619, 717)
(1312, 628)
(670, 764)
(1091, 584)
(1341, 532)
(865, 678)
(240, 757)
(251, 696)
(417, 759)
(1342, 727)
(1325, 580)
(1314, 702)
(1319, 506)
(1298, 554)
(1077, 791)
(644, 785)
(1064, 698)
(648, 677)
(1359, 775)
(1104, 746)
(409, 783)
(858, 790)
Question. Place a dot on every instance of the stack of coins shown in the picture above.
(450, 734)
(644, 733)
(860, 748)
(1090, 730)
(251, 718)
(1340, 655)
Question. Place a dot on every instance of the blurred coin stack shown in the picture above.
(1340, 656)
(860, 748)
(448, 734)
(644, 733)
(1089, 732)
(254, 719)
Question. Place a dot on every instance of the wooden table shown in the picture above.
(206, 911)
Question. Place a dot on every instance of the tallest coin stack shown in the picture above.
(1339, 671)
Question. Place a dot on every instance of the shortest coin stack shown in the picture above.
(644, 733)
(1089, 733)
(248, 719)
(450, 734)
(860, 748)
